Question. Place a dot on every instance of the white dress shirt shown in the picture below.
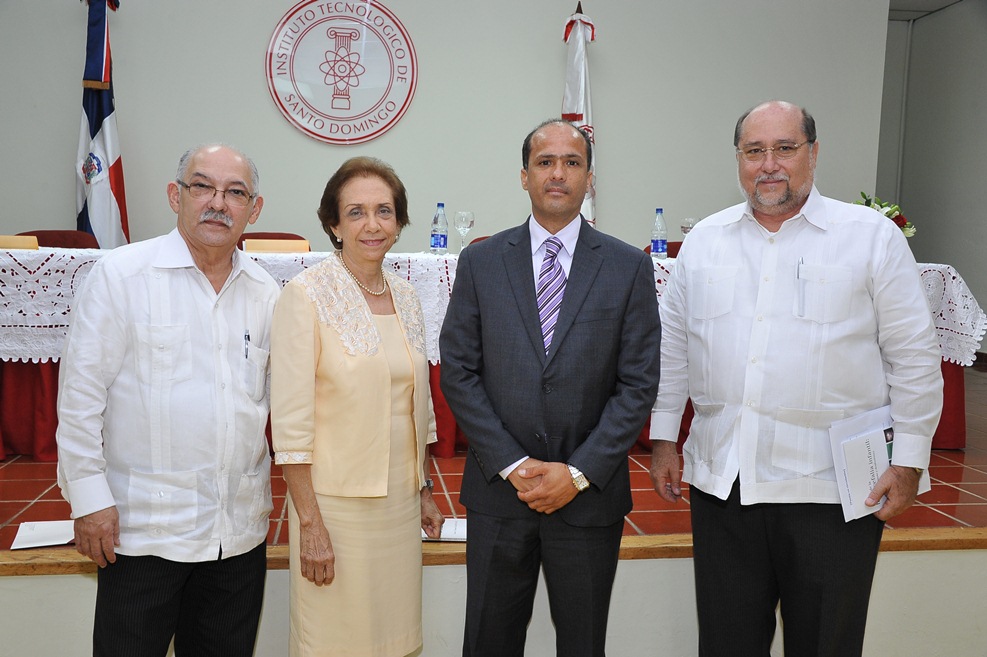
(163, 400)
(776, 335)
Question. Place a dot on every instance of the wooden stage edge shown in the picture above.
(66, 561)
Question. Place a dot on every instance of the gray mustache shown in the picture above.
(211, 215)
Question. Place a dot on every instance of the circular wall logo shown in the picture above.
(341, 72)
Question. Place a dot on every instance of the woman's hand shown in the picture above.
(431, 516)
(317, 558)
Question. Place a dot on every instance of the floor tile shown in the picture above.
(451, 483)
(921, 516)
(957, 474)
(649, 500)
(24, 489)
(7, 535)
(661, 522)
(28, 470)
(974, 515)
(641, 481)
(947, 494)
(9, 510)
(44, 511)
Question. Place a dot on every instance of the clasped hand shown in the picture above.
(544, 486)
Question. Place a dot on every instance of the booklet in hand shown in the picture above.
(862, 447)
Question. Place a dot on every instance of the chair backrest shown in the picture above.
(270, 235)
(66, 239)
(673, 249)
(478, 239)
(19, 242)
(276, 246)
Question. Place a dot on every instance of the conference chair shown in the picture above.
(273, 242)
(66, 239)
(19, 242)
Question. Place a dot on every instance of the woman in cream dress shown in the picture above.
(352, 417)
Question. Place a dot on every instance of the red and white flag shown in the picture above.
(100, 199)
(576, 105)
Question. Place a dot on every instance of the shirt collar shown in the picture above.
(569, 235)
(813, 211)
(174, 254)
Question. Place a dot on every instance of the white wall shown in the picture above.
(923, 603)
(669, 80)
(945, 148)
(892, 111)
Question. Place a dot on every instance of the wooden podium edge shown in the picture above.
(66, 561)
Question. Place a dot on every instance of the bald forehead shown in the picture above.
(774, 116)
(564, 131)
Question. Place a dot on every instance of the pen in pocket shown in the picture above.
(246, 344)
(801, 285)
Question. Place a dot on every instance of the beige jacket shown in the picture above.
(330, 389)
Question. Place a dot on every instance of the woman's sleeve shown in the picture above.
(295, 350)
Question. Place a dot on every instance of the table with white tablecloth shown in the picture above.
(37, 289)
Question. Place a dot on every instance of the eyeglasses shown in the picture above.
(233, 195)
(781, 151)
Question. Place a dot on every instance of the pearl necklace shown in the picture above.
(357, 280)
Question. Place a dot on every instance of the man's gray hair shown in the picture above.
(187, 156)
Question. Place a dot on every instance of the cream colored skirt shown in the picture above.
(373, 607)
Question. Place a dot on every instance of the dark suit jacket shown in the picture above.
(584, 403)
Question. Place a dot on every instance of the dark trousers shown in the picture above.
(209, 607)
(503, 557)
(749, 558)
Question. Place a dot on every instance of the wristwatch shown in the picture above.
(918, 471)
(579, 480)
(429, 484)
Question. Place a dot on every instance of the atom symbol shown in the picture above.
(342, 68)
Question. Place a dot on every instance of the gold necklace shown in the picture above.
(357, 280)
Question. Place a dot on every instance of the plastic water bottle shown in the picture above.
(440, 231)
(659, 237)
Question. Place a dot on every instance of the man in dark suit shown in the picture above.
(550, 365)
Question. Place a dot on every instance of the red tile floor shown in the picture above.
(958, 497)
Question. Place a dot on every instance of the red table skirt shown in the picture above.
(28, 420)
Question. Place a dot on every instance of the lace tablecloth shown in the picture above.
(37, 288)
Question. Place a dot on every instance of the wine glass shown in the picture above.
(464, 224)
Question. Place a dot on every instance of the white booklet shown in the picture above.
(862, 447)
(453, 529)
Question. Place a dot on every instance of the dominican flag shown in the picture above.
(100, 198)
(576, 105)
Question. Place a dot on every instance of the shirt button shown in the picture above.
(547, 388)
(771, 240)
(767, 278)
(160, 493)
(222, 386)
(760, 318)
(754, 360)
(750, 404)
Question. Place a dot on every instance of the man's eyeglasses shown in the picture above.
(233, 195)
(781, 151)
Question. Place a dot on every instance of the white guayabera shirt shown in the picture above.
(776, 335)
(163, 400)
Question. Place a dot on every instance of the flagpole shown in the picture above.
(576, 102)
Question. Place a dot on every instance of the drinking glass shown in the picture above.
(464, 224)
(687, 225)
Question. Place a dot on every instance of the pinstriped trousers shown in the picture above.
(210, 607)
(747, 559)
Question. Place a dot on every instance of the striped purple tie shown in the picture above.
(551, 286)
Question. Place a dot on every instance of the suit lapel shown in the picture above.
(586, 263)
(517, 261)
